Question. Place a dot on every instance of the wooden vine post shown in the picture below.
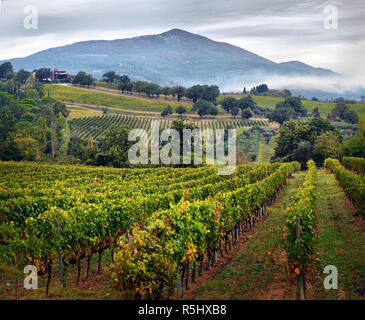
(60, 255)
(181, 284)
(300, 278)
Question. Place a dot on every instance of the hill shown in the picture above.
(135, 106)
(173, 57)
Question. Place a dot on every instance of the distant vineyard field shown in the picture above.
(348, 130)
(81, 112)
(96, 126)
(255, 143)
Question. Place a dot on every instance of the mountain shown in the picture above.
(173, 57)
(297, 66)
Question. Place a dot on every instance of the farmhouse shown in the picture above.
(58, 75)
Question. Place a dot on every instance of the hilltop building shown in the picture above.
(361, 99)
(58, 75)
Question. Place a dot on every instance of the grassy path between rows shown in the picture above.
(341, 243)
(258, 270)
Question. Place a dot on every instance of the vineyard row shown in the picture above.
(96, 126)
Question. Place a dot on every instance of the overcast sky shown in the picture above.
(277, 30)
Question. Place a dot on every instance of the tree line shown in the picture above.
(317, 139)
(32, 128)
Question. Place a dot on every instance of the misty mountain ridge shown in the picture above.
(170, 58)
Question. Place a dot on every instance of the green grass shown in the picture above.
(107, 85)
(263, 101)
(324, 107)
(266, 150)
(78, 95)
(341, 242)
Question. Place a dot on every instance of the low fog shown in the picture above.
(321, 87)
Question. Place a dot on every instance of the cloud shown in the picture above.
(277, 30)
(341, 85)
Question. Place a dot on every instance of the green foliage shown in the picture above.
(352, 183)
(166, 91)
(228, 103)
(281, 115)
(154, 89)
(300, 252)
(343, 112)
(204, 108)
(179, 91)
(294, 104)
(180, 125)
(43, 75)
(5, 68)
(246, 114)
(292, 133)
(181, 110)
(207, 93)
(124, 83)
(189, 229)
(22, 76)
(303, 152)
(110, 77)
(39, 87)
(235, 111)
(356, 164)
(351, 117)
(246, 104)
(167, 111)
(327, 145)
(83, 79)
(137, 268)
(354, 147)
(27, 147)
(340, 110)
(361, 132)
(262, 88)
(112, 149)
(248, 142)
(315, 112)
(290, 108)
(24, 126)
(94, 207)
